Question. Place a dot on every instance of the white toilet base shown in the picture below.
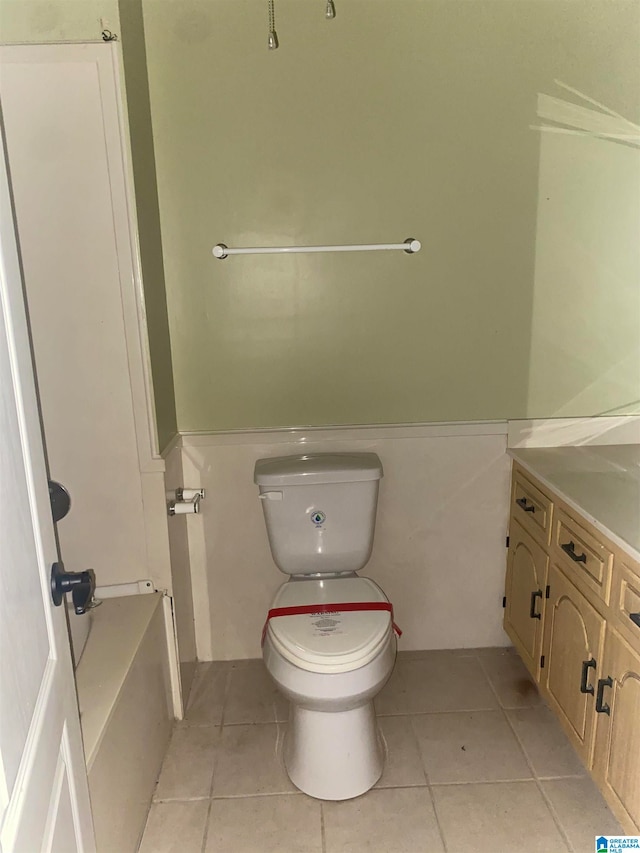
(335, 755)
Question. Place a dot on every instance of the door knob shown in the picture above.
(59, 499)
(81, 585)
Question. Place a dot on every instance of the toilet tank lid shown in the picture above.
(313, 468)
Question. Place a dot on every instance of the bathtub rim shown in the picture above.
(118, 628)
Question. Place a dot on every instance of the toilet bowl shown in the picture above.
(329, 641)
(330, 673)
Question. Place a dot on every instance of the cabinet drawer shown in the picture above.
(626, 602)
(531, 508)
(586, 560)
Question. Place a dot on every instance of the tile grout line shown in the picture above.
(154, 801)
(529, 763)
(483, 782)
(547, 801)
(534, 775)
(259, 796)
(205, 837)
(428, 785)
(406, 786)
(227, 689)
(323, 833)
(477, 710)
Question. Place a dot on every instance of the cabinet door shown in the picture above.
(617, 754)
(572, 649)
(525, 585)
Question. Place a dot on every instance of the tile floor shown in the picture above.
(475, 763)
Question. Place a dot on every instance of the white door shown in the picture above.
(44, 797)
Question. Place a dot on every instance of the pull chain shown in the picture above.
(272, 42)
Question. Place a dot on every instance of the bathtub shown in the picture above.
(126, 714)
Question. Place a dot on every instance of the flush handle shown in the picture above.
(270, 496)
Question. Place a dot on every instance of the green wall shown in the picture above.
(397, 119)
(149, 234)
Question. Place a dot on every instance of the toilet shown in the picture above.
(329, 640)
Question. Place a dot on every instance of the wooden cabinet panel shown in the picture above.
(525, 584)
(531, 508)
(585, 560)
(572, 648)
(617, 753)
(587, 631)
(626, 600)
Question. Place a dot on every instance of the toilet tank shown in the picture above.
(320, 510)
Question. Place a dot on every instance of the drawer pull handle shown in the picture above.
(585, 687)
(570, 549)
(602, 707)
(635, 618)
(532, 609)
(522, 502)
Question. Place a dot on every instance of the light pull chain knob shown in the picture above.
(272, 41)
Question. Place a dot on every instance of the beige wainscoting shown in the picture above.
(439, 547)
(178, 528)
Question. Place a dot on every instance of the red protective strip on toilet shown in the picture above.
(302, 609)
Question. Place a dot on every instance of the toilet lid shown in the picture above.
(335, 641)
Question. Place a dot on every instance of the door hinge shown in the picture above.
(506, 544)
(504, 600)
(541, 661)
(547, 591)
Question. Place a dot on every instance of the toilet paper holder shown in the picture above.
(187, 501)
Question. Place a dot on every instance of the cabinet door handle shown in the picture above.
(585, 687)
(522, 502)
(602, 707)
(570, 549)
(635, 618)
(532, 608)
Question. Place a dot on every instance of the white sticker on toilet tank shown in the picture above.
(318, 517)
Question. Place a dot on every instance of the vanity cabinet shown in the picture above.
(572, 650)
(572, 611)
(527, 565)
(617, 753)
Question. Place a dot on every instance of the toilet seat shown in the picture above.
(338, 641)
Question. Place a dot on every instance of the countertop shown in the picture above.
(602, 482)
